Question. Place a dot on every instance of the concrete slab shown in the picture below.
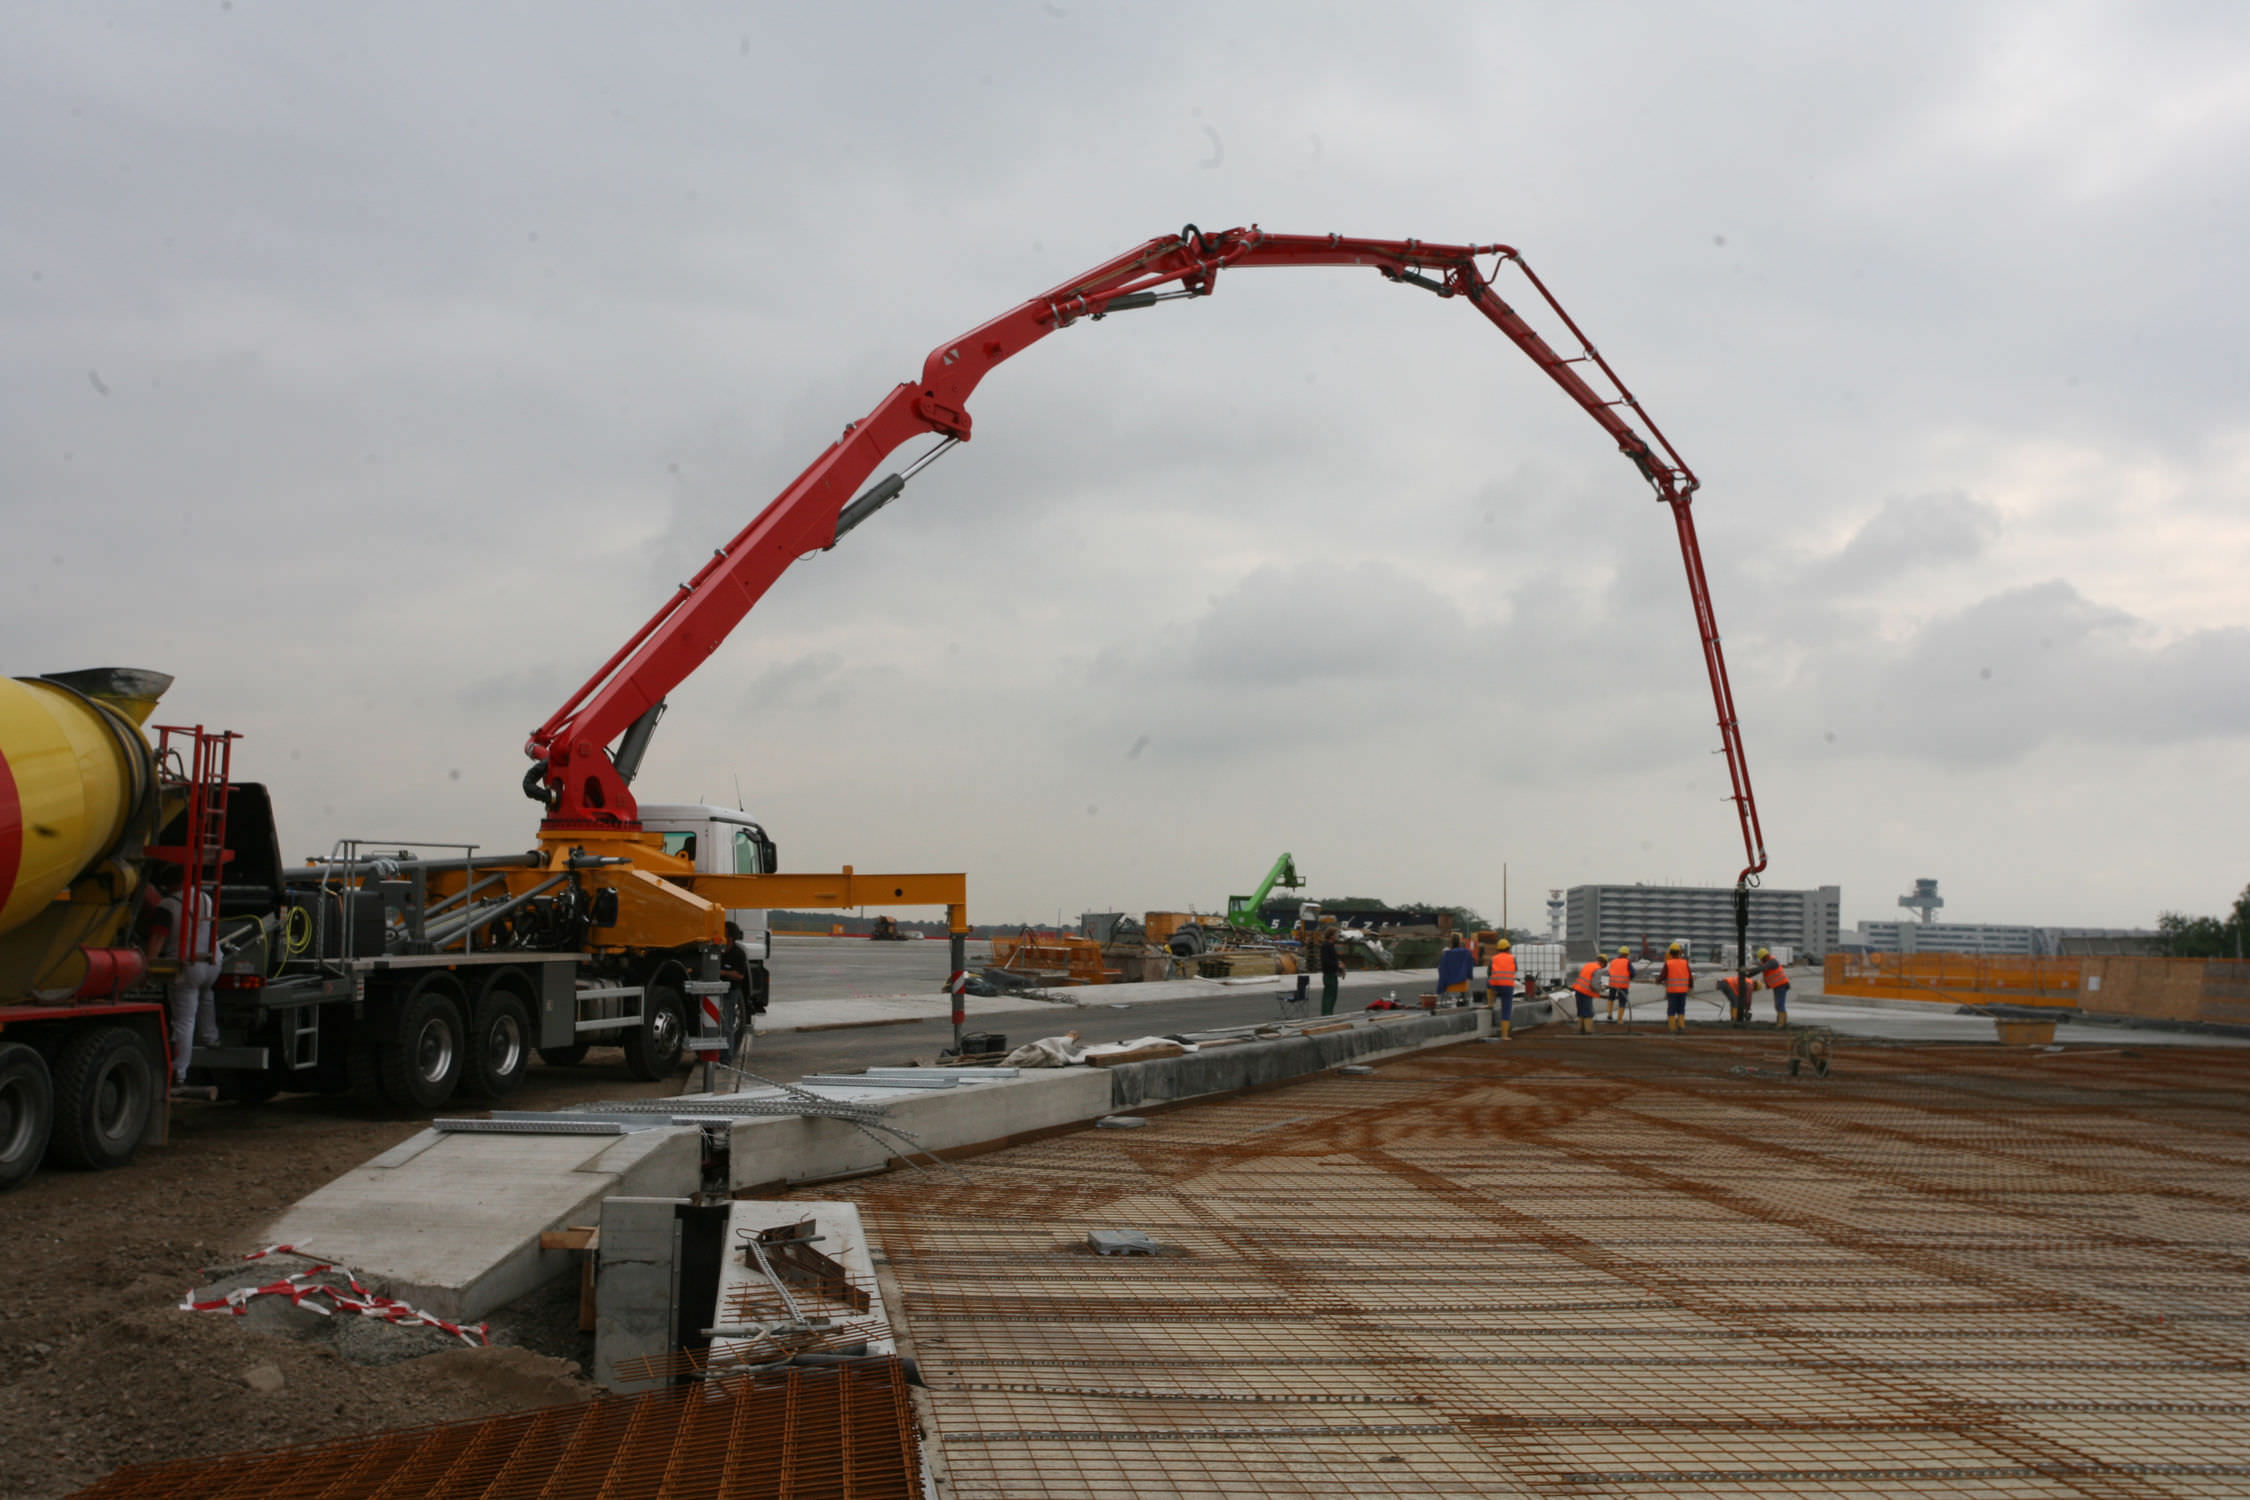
(452, 1225)
(769, 1150)
(859, 1010)
(1220, 1070)
(1921, 1021)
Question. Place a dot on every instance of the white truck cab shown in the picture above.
(724, 841)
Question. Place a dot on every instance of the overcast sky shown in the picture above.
(377, 369)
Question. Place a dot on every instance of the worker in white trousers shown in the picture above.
(184, 933)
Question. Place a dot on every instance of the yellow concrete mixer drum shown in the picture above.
(77, 788)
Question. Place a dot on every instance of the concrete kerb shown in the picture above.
(451, 1223)
(770, 1151)
(1226, 1070)
(881, 1010)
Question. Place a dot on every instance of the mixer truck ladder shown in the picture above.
(197, 763)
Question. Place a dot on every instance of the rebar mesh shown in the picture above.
(843, 1433)
(1619, 1265)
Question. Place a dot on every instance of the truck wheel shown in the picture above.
(420, 1062)
(499, 1045)
(563, 1057)
(105, 1087)
(363, 1071)
(27, 1112)
(652, 1049)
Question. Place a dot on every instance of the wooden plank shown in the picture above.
(576, 1237)
(1138, 1054)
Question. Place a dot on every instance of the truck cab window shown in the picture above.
(746, 854)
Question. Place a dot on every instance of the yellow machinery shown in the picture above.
(78, 798)
(81, 1066)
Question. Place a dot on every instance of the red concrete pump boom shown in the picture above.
(584, 782)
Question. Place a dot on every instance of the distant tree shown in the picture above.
(1465, 918)
(2207, 937)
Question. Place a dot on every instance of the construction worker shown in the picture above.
(1583, 988)
(1621, 986)
(1731, 991)
(182, 929)
(1776, 979)
(1331, 971)
(1454, 966)
(1678, 980)
(1501, 978)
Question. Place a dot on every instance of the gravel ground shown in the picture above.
(101, 1368)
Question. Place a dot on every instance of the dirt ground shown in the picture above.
(101, 1368)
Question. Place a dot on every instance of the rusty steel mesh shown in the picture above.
(841, 1433)
(1631, 1264)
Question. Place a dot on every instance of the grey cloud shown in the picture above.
(2034, 666)
(819, 680)
(1910, 533)
(405, 321)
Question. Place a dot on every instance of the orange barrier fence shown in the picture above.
(1056, 957)
(2213, 990)
(1964, 978)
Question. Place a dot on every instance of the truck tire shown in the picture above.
(27, 1112)
(499, 1045)
(363, 1071)
(333, 1073)
(563, 1057)
(652, 1049)
(420, 1062)
(105, 1086)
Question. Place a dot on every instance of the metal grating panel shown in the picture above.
(1632, 1264)
(843, 1433)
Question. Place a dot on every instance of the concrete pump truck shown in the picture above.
(408, 973)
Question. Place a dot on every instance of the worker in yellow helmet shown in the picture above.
(1776, 980)
(1501, 980)
(1583, 988)
(1621, 986)
(1678, 980)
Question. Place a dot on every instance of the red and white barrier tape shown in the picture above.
(302, 1288)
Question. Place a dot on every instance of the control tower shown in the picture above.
(1924, 902)
(1555, 905)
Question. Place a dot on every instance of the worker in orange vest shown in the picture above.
(1678, 980)
(1621, 986)
(1583, 988)
(1776, 979)
(1500, 976)
(1736, 998)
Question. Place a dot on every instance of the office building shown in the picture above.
(1995, 939)
(1614, 916)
